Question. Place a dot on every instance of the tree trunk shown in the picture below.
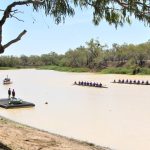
(1, 49)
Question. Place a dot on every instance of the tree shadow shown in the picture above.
(4, 147)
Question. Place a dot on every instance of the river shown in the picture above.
(117, 117)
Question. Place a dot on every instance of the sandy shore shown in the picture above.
(15, 136)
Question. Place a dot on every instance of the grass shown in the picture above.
(64, 69)
(110, 70)
(144, 71)
(118, 70)
(18, 67)
(7, 68)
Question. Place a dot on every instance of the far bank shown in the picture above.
(108, 70)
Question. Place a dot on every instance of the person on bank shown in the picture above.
(13, 93)
(9, 93)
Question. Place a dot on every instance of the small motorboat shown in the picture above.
(15, 101)
(7, 81)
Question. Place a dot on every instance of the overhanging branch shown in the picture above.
(8, 10)
(14, 40)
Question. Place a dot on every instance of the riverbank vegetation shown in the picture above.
(94, 57)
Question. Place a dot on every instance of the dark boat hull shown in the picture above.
(6, 103)
(7, 82)
(91, 86)
(131, 83)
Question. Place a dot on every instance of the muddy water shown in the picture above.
(117, 117)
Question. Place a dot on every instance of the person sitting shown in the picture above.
(79, 83)
(147, 83)
(93, 84)
(119, 81)
(134, 81)
(75, 82)
(122, 81)
(100, 85)
(84, 83)
(87, 83)
(138, 82)
(130, 82)
(142, 82)
(114, 81)
(127, 81)
(90, 83)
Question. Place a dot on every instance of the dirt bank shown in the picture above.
(16, 136)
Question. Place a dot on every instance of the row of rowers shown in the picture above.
(88, 83)
(132, 82)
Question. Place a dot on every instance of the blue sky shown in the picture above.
(44, 36)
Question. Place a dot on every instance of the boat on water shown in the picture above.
(132, 82)
(90, 84)
(15, 101)
(7, 81)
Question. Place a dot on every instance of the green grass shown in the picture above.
(64, 69)
(144, 71)
(110, 70)
(18, 67)
(7, 68)
(118, 70)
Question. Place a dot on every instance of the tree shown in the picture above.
(59, 9)
(115, 12)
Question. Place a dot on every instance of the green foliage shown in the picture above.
(114, 12)
(122, 59)
(119, 70)
(65, 69)
(144, 71)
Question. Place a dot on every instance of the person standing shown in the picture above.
(9, 93)
(13, 93)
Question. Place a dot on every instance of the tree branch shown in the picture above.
(125, 5)
(8, 10)
(16, 17)
(14, 40)
(7, 13)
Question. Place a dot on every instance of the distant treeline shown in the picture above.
(93, 56)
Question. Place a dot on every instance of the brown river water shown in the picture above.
(117, 117)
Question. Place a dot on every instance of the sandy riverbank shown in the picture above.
(16, 136)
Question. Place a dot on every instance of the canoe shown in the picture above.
(132, 83)
(92, 86)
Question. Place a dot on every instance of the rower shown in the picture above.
(94, 84)
(138, 82)
(90, 84)
(127, 81)
(100, 84)
(142, 82)
(84, 83)
(147, 83)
